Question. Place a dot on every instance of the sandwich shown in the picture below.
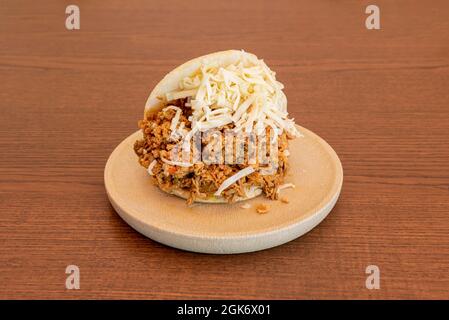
(216, 130)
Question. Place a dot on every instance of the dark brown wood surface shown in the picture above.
(379, 97)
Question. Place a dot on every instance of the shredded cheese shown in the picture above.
(180, 94)
(234, 178)
(245, 93)
(285, 186)
(176, 163)
(151, 166)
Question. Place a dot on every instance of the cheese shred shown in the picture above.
(234, 178)
(151, 166)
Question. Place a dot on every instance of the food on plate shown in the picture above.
(262, 208)
(216, 129)
(284, 200)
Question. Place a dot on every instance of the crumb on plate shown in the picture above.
(262, 208)
(284, 200)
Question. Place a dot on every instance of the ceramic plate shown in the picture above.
(315, 170)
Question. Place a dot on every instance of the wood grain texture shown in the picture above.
(380, 98)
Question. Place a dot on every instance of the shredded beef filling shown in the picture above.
(201, 181)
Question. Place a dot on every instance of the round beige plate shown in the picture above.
(227, 228)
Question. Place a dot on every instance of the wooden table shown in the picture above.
(379, 97)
